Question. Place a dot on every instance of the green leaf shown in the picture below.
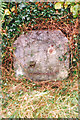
(74, 10)
(60, 59)
(70, 0)
(65, 57)
(58, 5)
(22, 5)
(14, 48)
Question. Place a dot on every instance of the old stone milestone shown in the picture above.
(42, 55)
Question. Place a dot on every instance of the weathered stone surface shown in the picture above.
(40, 53)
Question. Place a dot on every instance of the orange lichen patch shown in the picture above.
(51, 51)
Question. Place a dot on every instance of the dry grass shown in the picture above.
(27, 99)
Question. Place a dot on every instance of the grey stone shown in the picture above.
(40, 55)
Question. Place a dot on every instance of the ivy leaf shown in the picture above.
(7, 12)
(65, 57)
(22, 6)
(74, 72)
(71, 9)
(74, 10)
(13, 9)
(58, 5)
(70, 0)
(61, 0)
(65, 5)
(60, 59)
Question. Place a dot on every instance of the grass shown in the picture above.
(32, 100)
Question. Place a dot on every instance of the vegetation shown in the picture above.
(40, 100)
(23, 97)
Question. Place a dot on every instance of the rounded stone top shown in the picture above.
(41, 53)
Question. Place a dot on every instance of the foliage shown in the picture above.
(18, 15)
(74, 7)
(29, 100)
(2, 7)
